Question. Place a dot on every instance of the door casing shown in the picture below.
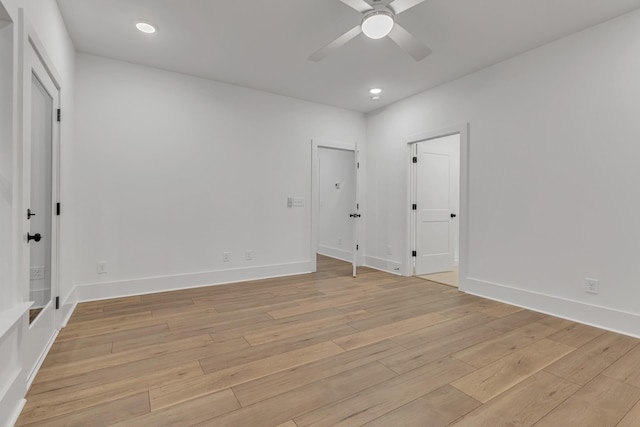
(42, 332)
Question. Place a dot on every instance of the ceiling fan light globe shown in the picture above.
(377, 24)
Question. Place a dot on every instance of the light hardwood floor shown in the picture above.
(325, 349)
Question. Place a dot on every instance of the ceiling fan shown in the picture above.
(378, 21)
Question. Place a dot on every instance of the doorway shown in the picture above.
(438, 205)
(40, 178)
(335, 207)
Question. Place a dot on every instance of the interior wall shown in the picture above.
(553, 174)
(178, 170)
(337, 188)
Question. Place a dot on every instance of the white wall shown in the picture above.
(553, 174)
(177, 170)
(336, 228)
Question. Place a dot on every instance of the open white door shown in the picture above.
(434, 231)
(335, 208)
(40, 177)
(355, 216)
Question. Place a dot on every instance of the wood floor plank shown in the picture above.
(385, 397)
(77, 367)
(524, 405)
(270, 334)
(632, 418)
(101, 415)
(57, 402)
(218, 380)
(383, 332)
(271, 385)
(416, 357)
(584, 364)
(576, 335)
(492, 349)
(626, 368)
(438, 408)
(441, 330)
(301, 400)
(601, 403)
(497, 377)
(187, 413)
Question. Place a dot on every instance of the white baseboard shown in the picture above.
(150, 285)
(13, 413)
(577, 311)
(381, 264)
(336, 253)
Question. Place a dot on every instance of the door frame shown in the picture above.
(29, 40)
(411, 194)
(315, 196)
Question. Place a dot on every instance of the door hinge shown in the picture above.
(415, 160)
(414, 207)
(58, 209)
(57, 303)
(358, 206)
(58, 115)
(358, 165)
(357, 247)
(414, 253)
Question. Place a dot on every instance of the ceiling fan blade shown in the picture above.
(336, 44)
(400, 6)
(359, 5)
(409, 43)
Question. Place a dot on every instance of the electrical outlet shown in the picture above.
(592, 286)
(248, 255)
(101, 267)
(226, 257)
(36, 273)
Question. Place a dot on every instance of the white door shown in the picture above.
(41, 136)
(338, 208)
(434, 228)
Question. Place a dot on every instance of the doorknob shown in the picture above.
(453, 215)
(35, 237)
(355, 215)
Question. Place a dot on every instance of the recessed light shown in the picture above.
(146, 28)
(375, 91)
(375, 97)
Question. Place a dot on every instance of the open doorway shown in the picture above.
(334, 206)
(437, 212)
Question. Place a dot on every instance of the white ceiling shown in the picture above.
(264, 44)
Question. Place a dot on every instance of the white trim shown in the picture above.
(9, 318)
(600, 317)
(17, 410)
(41, 359)
(463, 131)
(150, 285)
(315, 190)
(336, 253)
(381, 264)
